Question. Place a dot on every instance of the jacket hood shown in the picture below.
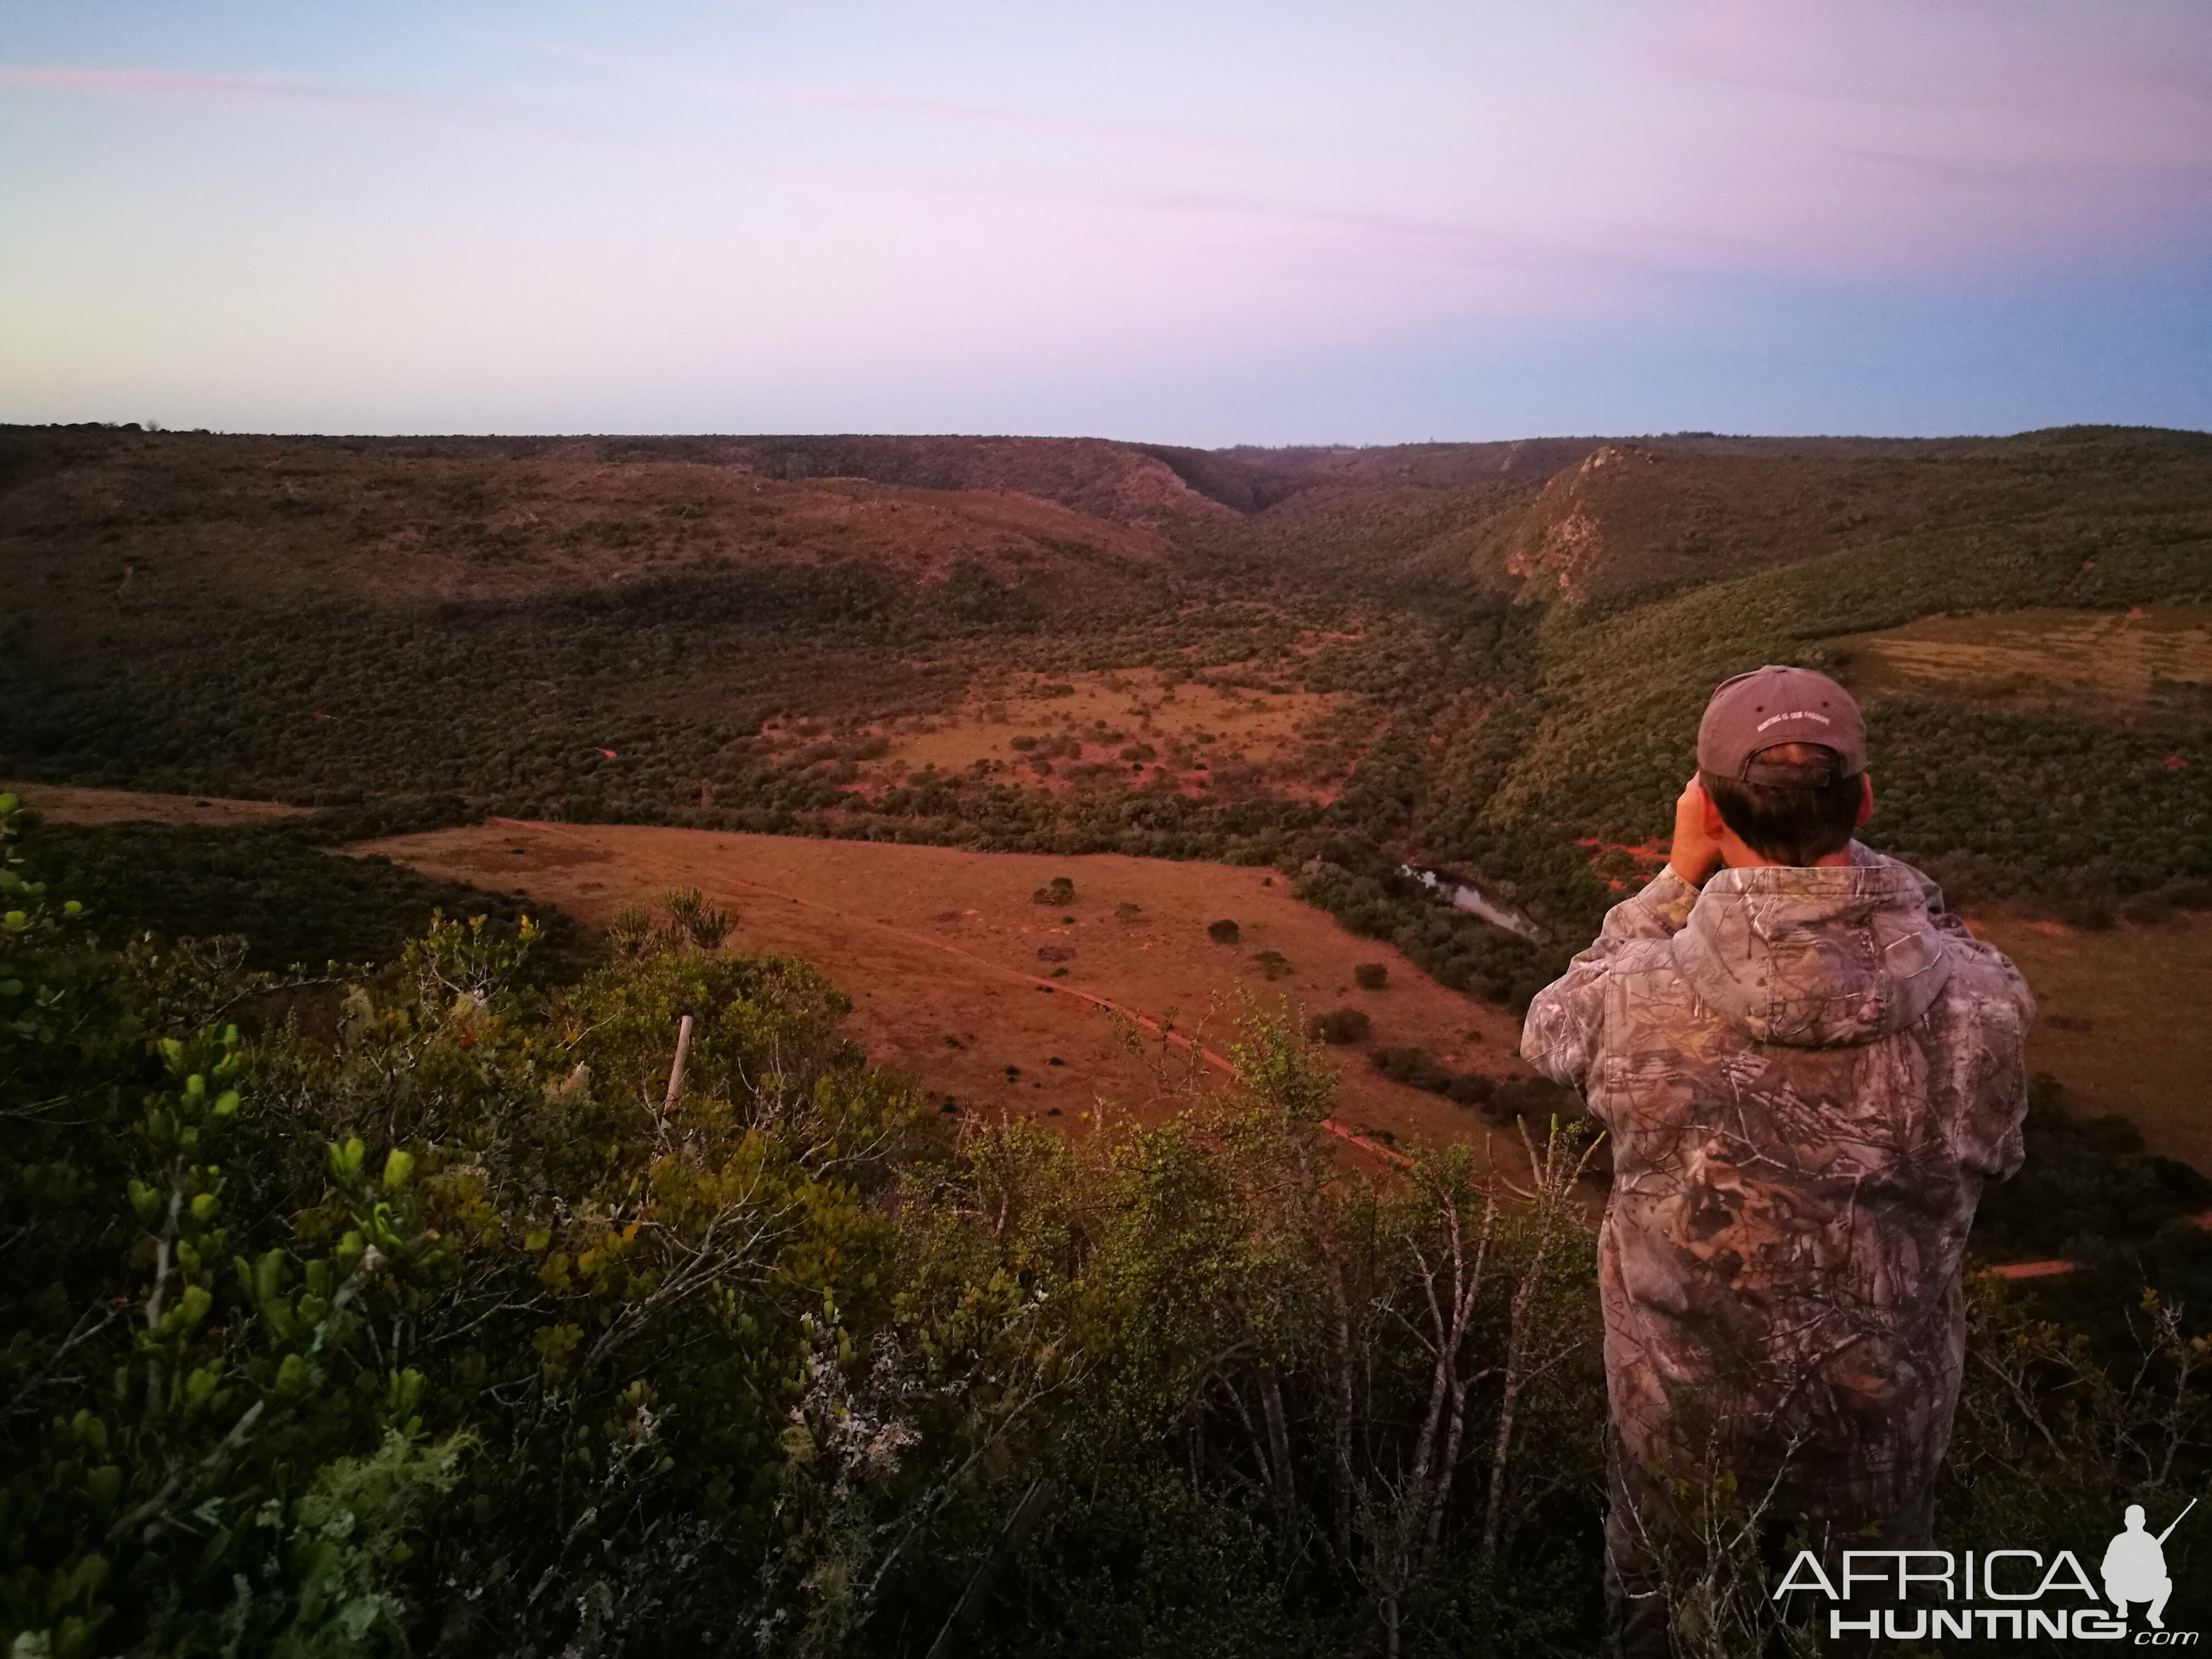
(1816, 958)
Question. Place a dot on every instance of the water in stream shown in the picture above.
(1465, 895)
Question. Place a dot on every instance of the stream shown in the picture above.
(1465, 895)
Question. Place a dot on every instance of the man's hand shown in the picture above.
(1695, 854)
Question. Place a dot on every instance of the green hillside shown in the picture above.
(703, 631)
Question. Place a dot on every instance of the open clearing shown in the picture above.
(943, 953)
(934, 943)
(2124, 1024)
(61, 804)
(2154, 660)
(1127, 727)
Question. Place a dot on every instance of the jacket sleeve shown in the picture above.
(1996, 1010)
(1566, 1021)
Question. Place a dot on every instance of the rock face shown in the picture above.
(1561, 544)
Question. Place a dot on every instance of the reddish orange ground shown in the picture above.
(2122, 1007)
(938, 948)
(2122, 1022)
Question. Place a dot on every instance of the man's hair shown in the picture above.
(1789, 825)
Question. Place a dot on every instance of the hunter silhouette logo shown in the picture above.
(2135, 1565)
(2004, 1595)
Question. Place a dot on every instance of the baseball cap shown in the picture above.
(1774, 705)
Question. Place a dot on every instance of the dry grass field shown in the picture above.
(935, 944)
(939, 950)
(1131, 727)
(959, 979)
(2147, 662)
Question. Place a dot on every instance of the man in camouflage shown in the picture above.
(1806, 1068)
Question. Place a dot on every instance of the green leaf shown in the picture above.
(268, 1276)
(294, 1377)
(192, 1307)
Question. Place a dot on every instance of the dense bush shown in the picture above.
(469, 1332)
(1338, 1025)
(272, 886)
(466, 1330)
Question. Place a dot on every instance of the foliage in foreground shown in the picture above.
(465, 1332)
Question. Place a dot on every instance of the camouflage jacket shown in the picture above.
(1805, 1075)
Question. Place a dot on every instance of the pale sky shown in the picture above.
(1203, 222)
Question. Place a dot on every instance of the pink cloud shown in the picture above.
(983, 115)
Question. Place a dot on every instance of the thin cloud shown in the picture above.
(860, 101)
(984, 115)
(195, 87)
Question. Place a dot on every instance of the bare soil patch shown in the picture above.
(962, 980)
(61, 803)
(2122, 1020)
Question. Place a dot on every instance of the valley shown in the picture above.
(1305, 668)
(948, 958)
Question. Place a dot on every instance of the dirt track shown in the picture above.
(939, 950)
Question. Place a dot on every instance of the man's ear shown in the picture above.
(1866, 799)
(1709, 814)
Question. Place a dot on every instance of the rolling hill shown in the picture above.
(1481, 656)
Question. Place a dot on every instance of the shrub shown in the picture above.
(690, 913)
(1371, 976)
(1273, 963)
(1225, 932)
(1059, 891)
(1339, 1026)
(1470, 1089)
(1412, 1066)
